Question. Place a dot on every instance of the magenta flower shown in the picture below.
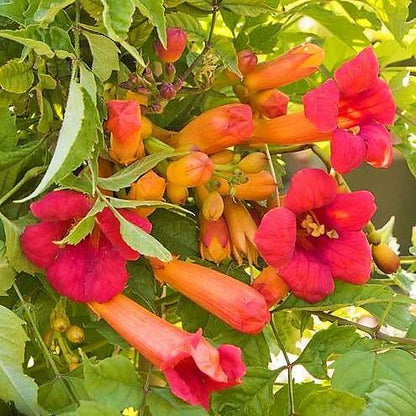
(94, 269)
(355, 106)
(317, 237)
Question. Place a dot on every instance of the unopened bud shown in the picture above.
(247, 61)
(148, 74)
(213, 206)
(75, 334)
(167, 91)
(270, 103)
(60, 324)
(175, 45)
(223, 157)
(385, 258)
(157, 69)
(177, 194)
(253, 163)
(178, 84)
(170, 72)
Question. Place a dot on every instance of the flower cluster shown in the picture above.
(218, 166)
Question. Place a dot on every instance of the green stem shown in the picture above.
(277, 150)
(317, 150)
(289, 367)
(272, 171)
(76, 40)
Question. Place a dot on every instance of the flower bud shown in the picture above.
(148, 74)
(214, 239)
(149, 187)
(75, 334)
(385, 258)
(191, 170)
(170, 72)
(253, 163)
(242, 229)
(271, 286)
(60, 324)
(269, 103)
(247, 61)
(73, 366)
(175, 45)
(218, 128)
(167, 91)
(213, 206)
(141, 97)
(177, 194)
(292, 66)
(223, 157)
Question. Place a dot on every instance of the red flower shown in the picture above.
(94, 269)
(192, 366)
(175, 45)
(317, 236)
(358, 99)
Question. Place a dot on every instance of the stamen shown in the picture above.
(312, 225)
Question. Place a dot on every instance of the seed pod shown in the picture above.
(75, 334)
(60, 324)
(385, 258)
(253, 163)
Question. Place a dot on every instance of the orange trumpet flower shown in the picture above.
(192, 366)
(234, 302)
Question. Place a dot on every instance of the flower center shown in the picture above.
(310, 226)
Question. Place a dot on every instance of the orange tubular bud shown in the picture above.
(232, 301)
(298, 63)
(191, 170)
(177, 194)
(213, 206)
(385, 258)
(124, 123)
(259, 186)
(218, 128)
(242, 229)
(150, 187)
(292, 128)
(247, 61)
(223, 157)
(269, 103)
(271, 286)
(253, 163)
(214, 240)
(175, 45)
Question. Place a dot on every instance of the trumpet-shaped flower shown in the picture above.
(317, 236)
(192, 366)
(93, 269)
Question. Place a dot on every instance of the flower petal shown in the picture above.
(321, 106)
(124, 118)
(347, 151)
(308, 278)
(379, 145)
(359, 73)
(110, 226)
(276, 236)
(349, 212)
(310, 189)
(85, 273)
(348, 256)
(38, 244)
(61, 205)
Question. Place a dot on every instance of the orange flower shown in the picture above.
(269, 103)
(191, 170)
(258, 187)
(213, 206)
(292, 66)
(214, 239)
(242, 229)
(271, 286)
(150, 187)
(292, 128)
(177, 194)
(234, 302)
(192, 366)
(218, 128)
(124, 123)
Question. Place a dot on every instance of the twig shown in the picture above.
(277, 150)
(269, 158)
(289, 367)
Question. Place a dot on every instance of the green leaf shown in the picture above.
(154, 11)
(125, 177)
(251, 8)
(393, 14)
(6, 272)
(187, 22)
(15, 385)
(48, 9)
(142, 284)
(227, 53)
(113, 381)
(105, 55)
(19, 153)
(408, 149)
(14, 10)
(16, 76)
(332, 341)
(141, 241)
(391, 399)
(14, 252)
(177, 233)
(361, 372)
(8, 137)
(76, 139)
(91, 408)
(265, 38)
(253, 397)
(288, 326)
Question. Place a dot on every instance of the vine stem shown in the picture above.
(269, 158)
(76, 40)
(40, 341)
(208, 44)
(289, 367)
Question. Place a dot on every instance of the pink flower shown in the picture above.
(355, 106)
(317, 236)
(94, 269)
